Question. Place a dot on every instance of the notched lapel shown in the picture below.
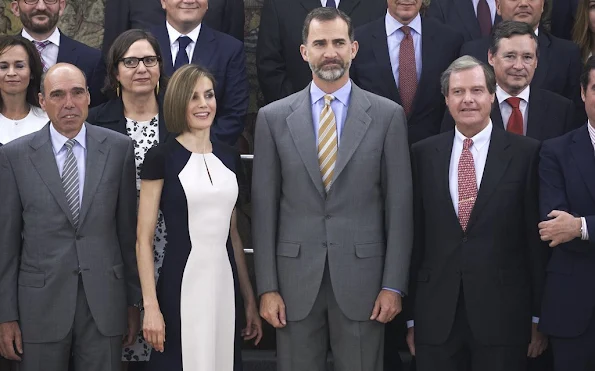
(536, 115)
(97, 151)
(205, 48)
(467, 14)
(348, 5)
(44, 161)
(582, 152)
(441, 165)
(382, 56)
(542, 65)
(496, 164)
(162, 37)
(496, 116)
(67, 51)
(301, 129)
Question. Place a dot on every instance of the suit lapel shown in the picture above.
(356, 124)
(44, 161)
(301, 129)
(536, 115)
(205, 47)
(162, 37)
(496, 116)
(97, 151)
(582, 152)
(310, 5)
(467, 14)
(497, 161)
(347, 6)
(543, 62)
(66, 51)
(381, 53)
(441, 170)
(428, 48)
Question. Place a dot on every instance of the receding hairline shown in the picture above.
(58, 68)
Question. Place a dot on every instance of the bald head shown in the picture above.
(65, 98)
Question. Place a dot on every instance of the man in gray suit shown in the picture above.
(332, 210)
(67, 237)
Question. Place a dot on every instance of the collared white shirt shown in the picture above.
(175, 45)
(79, 150)
(506, 109)
(394, 36)
(50, 52)
(323, 2)
(339, 106)
(491, 4)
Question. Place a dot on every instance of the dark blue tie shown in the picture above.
(182, 57)
(331, 3)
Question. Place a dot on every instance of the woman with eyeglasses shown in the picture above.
(136, 82)
(20, 76)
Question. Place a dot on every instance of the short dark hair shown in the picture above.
(508, 29)
(587, 68)
(120, 46)
(325, 14)
(178, 95)
(35, 65)
(465, 63)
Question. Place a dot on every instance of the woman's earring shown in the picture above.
(118, 90)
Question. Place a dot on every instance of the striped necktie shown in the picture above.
(40, 46)
(70, 182)
(327, 142)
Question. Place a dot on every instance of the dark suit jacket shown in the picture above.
(120, 15)
(567, 182)
(225, 58)
(281, 69)
(89, 60)
(563, 16)
(499, 260)
(558, 68)
(549, 115)
(110, 115)
(372, 71)
(458, 14)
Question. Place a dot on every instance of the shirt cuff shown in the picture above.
(410, 324)
(535, 319)
(393, 290)
(584, 230)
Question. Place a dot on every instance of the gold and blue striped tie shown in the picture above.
(327, 143)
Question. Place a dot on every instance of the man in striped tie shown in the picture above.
(332, 212)
(67, 237)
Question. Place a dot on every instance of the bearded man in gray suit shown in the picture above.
(332, 210)
(67, 237)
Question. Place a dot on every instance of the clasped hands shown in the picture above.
(387, 306)
(561, 228)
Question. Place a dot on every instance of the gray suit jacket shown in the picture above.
(40, 250)
(363, 226)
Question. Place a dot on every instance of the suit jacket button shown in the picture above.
(327, 217)
(324, 244)
(78, 238)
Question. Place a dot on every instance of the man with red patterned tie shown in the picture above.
(518, 107)
(478, 265)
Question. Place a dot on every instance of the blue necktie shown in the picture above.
(331, 3)
(182, 57)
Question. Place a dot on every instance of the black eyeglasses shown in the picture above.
(132, 62)
(33, 2)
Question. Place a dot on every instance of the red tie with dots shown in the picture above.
(407, 71)
(467, 184)
(515, 122)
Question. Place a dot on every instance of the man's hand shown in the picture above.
(272, 309)
(562, 228)
(10, 337)
(538, 342)
(387, 306)
(133, 326)
(411, 340)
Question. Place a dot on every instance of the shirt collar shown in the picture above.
(342, 94)
(54, 37)
(58, 140)
(591, 132)
(502, 95)
(392, 25)
(174, 34)
(479, 140)
(537, 31)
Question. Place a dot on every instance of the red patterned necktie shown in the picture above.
(407, 70)
(515, 122)
(484, 17)
(467, 184)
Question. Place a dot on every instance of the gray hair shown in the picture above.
(44, 74)
(464, 63)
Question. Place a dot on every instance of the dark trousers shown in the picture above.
(461, 350)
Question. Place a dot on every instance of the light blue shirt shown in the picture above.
(394, 36)
(79, 150)
(339, 106)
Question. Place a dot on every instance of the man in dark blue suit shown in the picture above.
(473, 19)
(407, 68)
(185, 39)
(559, 60)
(40, 19)
(567, 203)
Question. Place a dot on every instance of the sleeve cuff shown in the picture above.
(393, 290)
(535, 319)
(584, 230)
(410, 324)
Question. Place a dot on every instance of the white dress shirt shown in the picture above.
(506, 109)
(585, 231)
(394, 36)
(50, 52)
(175, 45)
(79, 150)
(491, 4)
(323, 2)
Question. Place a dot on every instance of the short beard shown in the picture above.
(330, 75)
(27, 21)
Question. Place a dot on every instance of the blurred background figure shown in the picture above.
(584, 28)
